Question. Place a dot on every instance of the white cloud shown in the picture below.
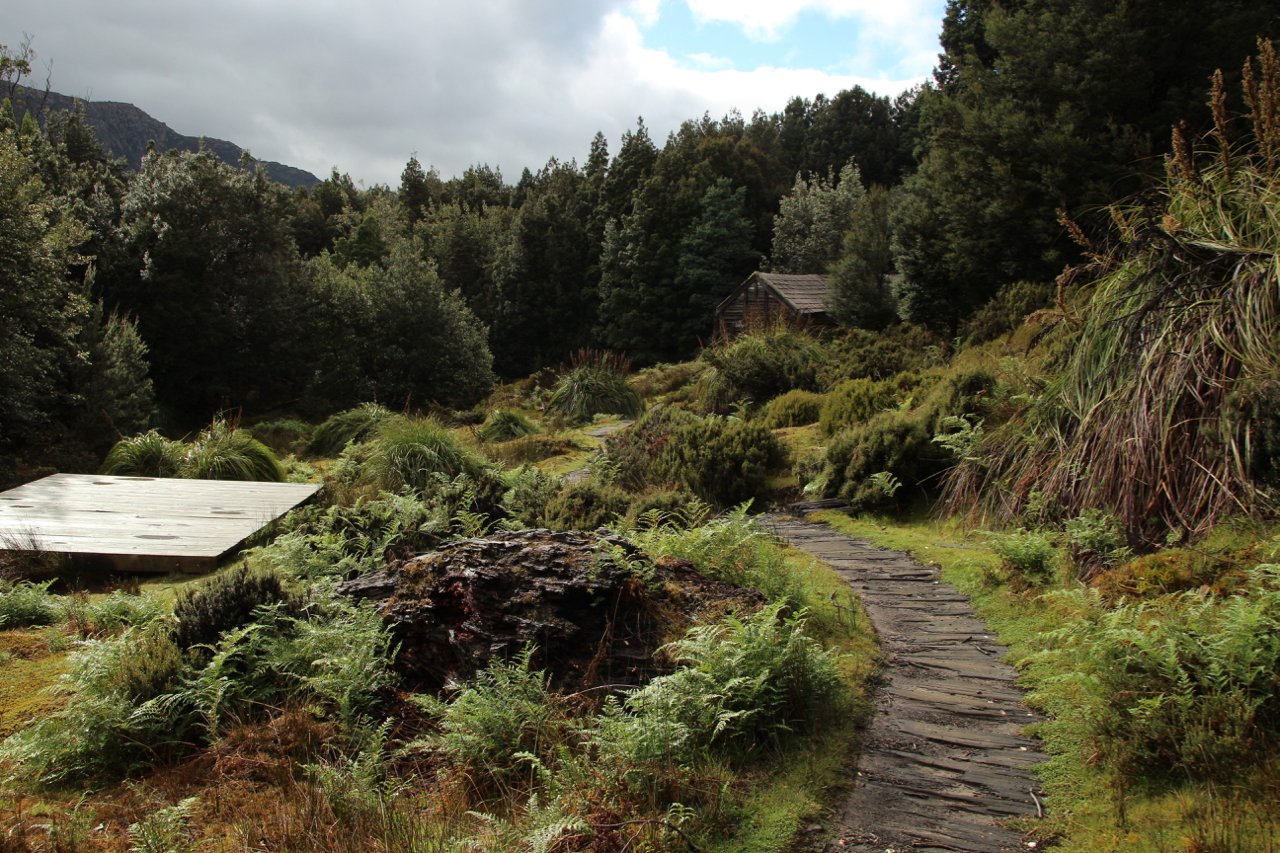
(766, 19)
(318, 83)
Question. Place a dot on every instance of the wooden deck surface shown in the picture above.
(142, 523)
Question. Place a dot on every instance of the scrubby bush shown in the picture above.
(863, 354)
(794, 408)
(759, 366)
(894, 443)
(341, 429)
(504, 425)
(632, 451)
(1006, 311)
(529, 490)
(585, 506)
(721, 460)
(225, 601)
(285, 436)
(856, 401)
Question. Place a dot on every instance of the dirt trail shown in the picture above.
(943, 759)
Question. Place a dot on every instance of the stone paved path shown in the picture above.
(943, 759)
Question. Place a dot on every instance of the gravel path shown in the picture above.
(943, 759)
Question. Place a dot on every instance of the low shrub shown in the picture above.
(531, 448)
(285, 436)
(1007, 310)
(896, 444)
(863, 354)
(724, 461)
(585, 506)
(24, 603)
(1172, 570)
(225, 601)
(856, 401)
(529, 491)
(792, 409)
(504, 425)
(761, 365)
(353, 425)
(1032, 554)
(632, 451)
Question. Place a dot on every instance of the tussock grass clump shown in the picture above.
(595, 384)
(792, 409)
(220, 452)
(223, 452)
(504, 425)
(1155, 412)
(411, 452)
(147, 455)
(353, 425)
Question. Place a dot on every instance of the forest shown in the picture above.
(1052, 371)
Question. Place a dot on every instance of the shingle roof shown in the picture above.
(807, 294)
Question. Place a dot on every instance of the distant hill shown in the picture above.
(124, 131)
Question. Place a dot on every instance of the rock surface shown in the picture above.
(585, 600)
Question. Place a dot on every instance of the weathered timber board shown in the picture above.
(944, 760)
(142, 523)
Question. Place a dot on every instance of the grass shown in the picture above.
(1081, 804)
(27, 670)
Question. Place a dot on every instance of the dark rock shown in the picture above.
(581, 598)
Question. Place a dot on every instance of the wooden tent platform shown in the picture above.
(142, 524)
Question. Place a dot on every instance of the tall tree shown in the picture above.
(812, 220)
(860, 294)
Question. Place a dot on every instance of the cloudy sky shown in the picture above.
(362, 86)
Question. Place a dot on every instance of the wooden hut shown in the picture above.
(767, 297)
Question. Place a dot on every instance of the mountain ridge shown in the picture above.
(125, 130)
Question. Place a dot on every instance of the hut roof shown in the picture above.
(804, 294)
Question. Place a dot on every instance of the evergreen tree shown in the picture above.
(860, 294)
(812, 220)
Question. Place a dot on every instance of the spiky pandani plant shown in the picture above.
(1160, 411)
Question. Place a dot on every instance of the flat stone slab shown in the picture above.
(145, 524)
(944, 760)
